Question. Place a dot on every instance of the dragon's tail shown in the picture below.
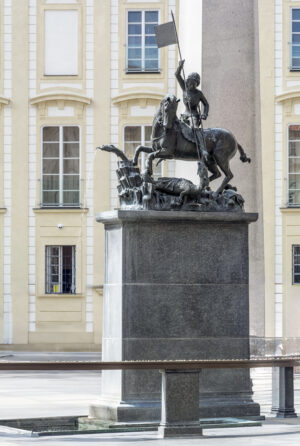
(243, 157)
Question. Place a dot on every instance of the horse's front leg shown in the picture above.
(149, 161)
(137, 152)
(203, 176)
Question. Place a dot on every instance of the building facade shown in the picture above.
(74, 74)
(279, 28)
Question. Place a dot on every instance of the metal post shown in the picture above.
(286, 393)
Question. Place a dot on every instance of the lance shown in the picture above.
(166, 34)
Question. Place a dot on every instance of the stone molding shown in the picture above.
(60, 97)
(138, 94)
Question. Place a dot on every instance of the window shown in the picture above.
(140, 135)
(295, 40)
(60, 166)
(60, 269)
(142, 51)
(294, 166)
(296, 264)
(61, 43)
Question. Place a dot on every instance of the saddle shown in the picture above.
(189, 134)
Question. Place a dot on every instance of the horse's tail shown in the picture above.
(244, 158)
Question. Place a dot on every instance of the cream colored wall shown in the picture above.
(291, 236)
(266, 49)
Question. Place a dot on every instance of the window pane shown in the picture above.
(134, 41)
(296, 38)
(296, 26)
(135, 65)
(294, 197)
(133, 134)
(151, 53)
(134, 29)
(294, 181)
(51, 166)
(71, 182)
(297, 278)
(294, 132)
(71, 166)
(129, 148)
(134, 16)
(148, 131)
(61, 42)
(151, 64)
(50, 150)
(296, 51)
(151, 16)
(150, 41)
(296, 14)
(71, 198)
(296, 62)
(294, 148)
(51, 182)
(297, 252)
(149, 29)
(71, 150)
(51, 134)
(294, 165)
(51, 198)
(71, 134)
(134, 53)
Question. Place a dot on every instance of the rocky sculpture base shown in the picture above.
(176, 287)
(137, 191)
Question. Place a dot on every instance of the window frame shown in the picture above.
(292, 68)
(143, 154)
(143, 11)
(293, 265)
(42, 7)
(290, 205)
(60, 205)
(60, 267)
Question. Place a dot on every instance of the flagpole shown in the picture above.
(189, 105)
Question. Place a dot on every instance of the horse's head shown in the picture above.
(169, 108)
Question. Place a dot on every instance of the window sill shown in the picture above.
(68, 295)
(143, 72)
(77, 210)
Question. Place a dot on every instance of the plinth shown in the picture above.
(176, 287)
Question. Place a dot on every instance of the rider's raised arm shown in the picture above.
(205, 103)
(179, 77)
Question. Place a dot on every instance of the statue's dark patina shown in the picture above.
(181, 139)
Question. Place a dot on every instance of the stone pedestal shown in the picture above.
(176, 287)
(180, 404)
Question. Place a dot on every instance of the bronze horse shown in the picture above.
(173, 139)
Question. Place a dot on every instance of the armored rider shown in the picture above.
(192, 99)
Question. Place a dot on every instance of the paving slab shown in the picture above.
(282, 434)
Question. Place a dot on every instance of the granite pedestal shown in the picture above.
(176, 287)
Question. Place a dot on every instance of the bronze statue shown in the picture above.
(174, 139)
(192, 97)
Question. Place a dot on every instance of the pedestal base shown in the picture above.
(176, 287)
(181, 431)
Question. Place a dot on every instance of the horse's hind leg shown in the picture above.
(137, 152)
(228, 176)
(213, 168)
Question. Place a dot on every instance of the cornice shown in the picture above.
(135, 94)
(60, 96)
(287, 95)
